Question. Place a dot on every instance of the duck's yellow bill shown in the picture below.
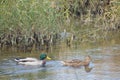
(48, 58)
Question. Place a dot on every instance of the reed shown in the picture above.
(28, 23)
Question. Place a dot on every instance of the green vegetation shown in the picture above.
(37, 23)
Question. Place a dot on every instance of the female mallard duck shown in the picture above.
(87, 63)
(33, 61)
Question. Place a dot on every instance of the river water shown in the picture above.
(106, 59)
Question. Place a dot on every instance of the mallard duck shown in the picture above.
(87, 63)
(33, 61)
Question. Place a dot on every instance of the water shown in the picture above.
(106, 60)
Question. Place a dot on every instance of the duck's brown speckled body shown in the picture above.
(78, 63)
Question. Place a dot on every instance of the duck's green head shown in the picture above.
(44, 56)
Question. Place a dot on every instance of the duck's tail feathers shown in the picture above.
(17, 59)
(63, 63)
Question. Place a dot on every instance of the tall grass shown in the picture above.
(51, 15)
(28, 14)
(87, 20)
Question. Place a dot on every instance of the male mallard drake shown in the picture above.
(87, 63)
(33, 61)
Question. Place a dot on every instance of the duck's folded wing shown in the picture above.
(73, 61)
(31, 63)
(28, 59)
